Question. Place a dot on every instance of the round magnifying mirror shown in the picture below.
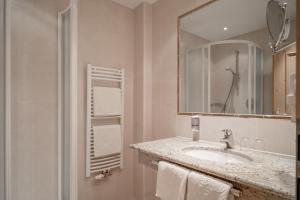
(278, 22)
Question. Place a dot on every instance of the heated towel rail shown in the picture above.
(100, 167)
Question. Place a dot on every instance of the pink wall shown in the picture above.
(165, 13)
(144, 177)
(144, 42)
(107, 39)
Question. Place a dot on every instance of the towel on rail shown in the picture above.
(204, 187)
(107, 101)
(107, 140)
(171, 181)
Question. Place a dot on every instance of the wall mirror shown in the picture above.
(238, 57)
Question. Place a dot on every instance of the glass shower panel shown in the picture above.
(34, 100)
(229, 78)
(222, 56)
(259, 81)
(2, 100)
(194, 77)
(256, 80)
(224, 77)
(65, 102)
(205, 79)
(240, 95)
(252, 94)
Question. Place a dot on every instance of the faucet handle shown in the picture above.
(227, 132)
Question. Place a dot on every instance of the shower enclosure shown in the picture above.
(38, 85)
(225, 77)
(2, 100)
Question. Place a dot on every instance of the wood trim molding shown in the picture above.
(298, 63)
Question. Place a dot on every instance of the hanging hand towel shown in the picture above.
(171, 181)
(107, 101)
(202, 187)
(107, 140)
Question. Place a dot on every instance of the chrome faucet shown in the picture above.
(227, 139)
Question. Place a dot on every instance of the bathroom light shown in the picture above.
(225, 28)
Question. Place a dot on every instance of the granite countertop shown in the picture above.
(270, 172)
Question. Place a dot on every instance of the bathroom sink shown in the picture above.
(217, 155)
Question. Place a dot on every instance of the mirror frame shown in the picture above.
(286, 117)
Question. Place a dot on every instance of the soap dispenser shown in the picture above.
(195, 124)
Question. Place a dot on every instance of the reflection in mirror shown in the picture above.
(226, 61)
(278, 21)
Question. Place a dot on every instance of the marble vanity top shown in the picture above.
(270, 172)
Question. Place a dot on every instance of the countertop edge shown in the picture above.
(220, 175)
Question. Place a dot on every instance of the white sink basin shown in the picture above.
(217, 155)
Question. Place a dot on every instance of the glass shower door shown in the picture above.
(2, 100)
(255, 98)
(194, 80)
(196, 86)
(259, 80)
(34, 100)
(64, 104)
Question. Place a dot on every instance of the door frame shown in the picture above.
(7, 61)
(73, 104)
(73, 9)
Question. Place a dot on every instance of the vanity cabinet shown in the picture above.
(254, 175)
(248, 193)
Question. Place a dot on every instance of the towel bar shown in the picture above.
(105, 78)
(235, 192)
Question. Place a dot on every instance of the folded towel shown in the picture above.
(171, 181)
(107, 101)
(107, 140)
(202, 187)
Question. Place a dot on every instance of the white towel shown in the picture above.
(202, 187)
(171, 181)
(107, 101)
(107, 140)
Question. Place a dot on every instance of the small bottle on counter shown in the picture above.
(195, 124)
